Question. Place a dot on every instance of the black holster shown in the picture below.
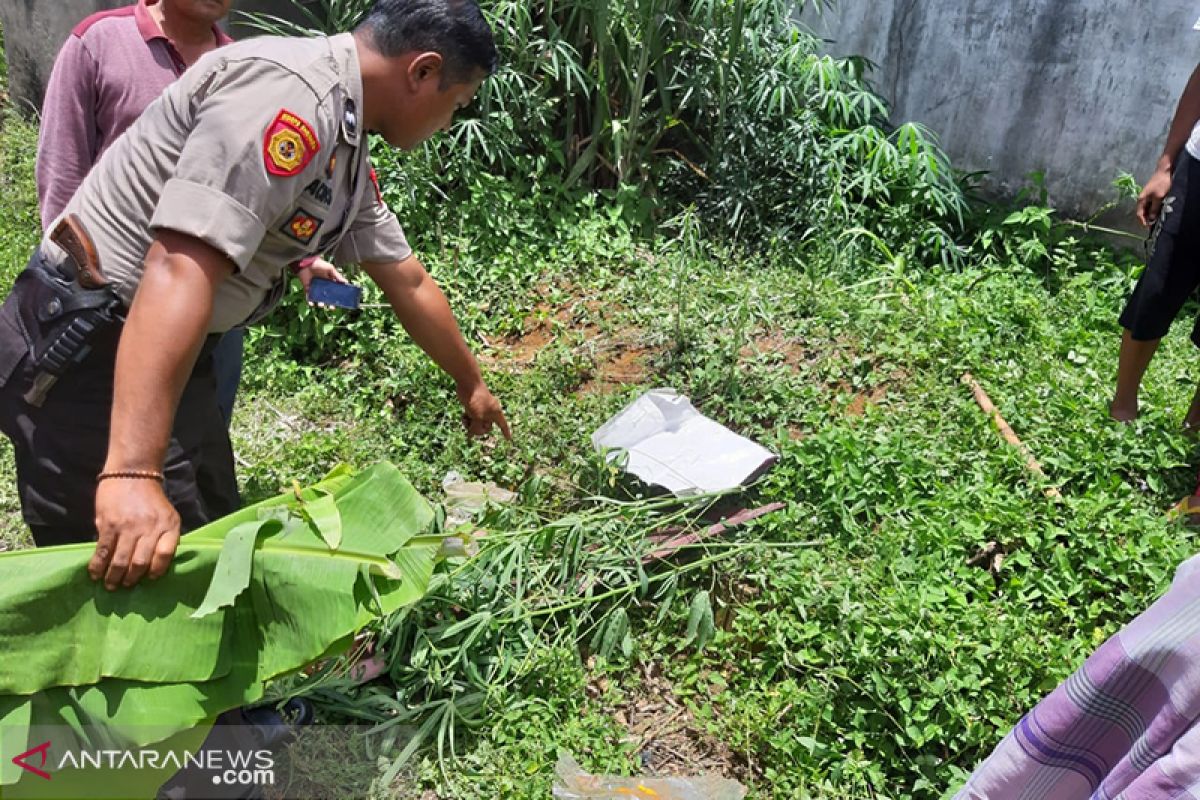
(60, 320)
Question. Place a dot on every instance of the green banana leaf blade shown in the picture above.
(323, 515)
(231, 576)
(248, 598)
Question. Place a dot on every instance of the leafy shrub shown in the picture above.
(725, 104)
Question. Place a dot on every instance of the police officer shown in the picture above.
(256, 158)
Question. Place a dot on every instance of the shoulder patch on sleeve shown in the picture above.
(302, 227)
(288, 145)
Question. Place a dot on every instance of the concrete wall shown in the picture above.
(35, 29)
(1079, 89)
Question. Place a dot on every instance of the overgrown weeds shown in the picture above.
(726, 105)
(18, 194)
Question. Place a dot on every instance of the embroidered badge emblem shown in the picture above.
(288, 145)
(302, 227)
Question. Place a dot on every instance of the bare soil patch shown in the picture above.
(796, 354)
(860, 401)
(667, 738)
(864, 397)
(621, 366)
(620, 357)
(543, 326)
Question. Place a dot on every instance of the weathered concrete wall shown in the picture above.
(35, 29)
(1079, 89)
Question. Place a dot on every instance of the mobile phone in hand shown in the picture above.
(332, 293)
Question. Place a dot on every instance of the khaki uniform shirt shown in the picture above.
(258, 150)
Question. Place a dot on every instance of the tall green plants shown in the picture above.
(726, 104)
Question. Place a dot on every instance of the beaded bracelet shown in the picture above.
(143, 474)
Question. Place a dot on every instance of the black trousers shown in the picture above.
(1173, 271)
(62, 445)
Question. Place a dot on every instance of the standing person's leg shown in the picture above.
(1131, 366)
(1191, 423)
(227, 363)
(1171, 276)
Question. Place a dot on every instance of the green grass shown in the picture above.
(881, 664)
(877, 665)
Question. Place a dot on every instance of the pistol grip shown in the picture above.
(41, 386)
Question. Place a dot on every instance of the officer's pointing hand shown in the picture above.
(139, 530)
(481, 411)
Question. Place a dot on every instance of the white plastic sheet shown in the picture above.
(671, 444)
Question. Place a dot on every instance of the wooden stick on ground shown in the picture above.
(1006, 431)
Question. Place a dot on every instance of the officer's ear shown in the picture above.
(425, 67)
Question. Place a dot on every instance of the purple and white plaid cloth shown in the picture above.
(1123, 727)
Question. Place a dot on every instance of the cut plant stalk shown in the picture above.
(573, 583)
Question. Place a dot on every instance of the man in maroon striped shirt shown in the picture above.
(113, 65)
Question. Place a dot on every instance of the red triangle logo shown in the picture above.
(41, 748)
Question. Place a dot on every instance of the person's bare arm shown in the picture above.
(166, 326)
(423, 311)
(1187, 113)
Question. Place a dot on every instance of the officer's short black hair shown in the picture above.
(455, 29)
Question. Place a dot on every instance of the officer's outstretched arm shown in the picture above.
(423, 311)
(163, 333)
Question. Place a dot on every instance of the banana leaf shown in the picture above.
(251, 597)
